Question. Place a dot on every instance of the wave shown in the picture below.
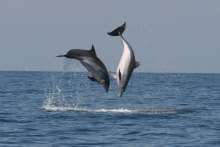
(113, 110)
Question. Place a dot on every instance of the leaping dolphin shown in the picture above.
(96, 68)
(127, 62)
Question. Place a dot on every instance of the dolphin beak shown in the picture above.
(60, 56)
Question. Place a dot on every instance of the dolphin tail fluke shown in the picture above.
(60, 56)
(118, 31)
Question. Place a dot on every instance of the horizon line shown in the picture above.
(149, 72)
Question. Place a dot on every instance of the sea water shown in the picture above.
(59, 109)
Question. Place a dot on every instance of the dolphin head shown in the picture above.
(73, 53)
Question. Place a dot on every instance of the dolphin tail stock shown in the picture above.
(118, 31)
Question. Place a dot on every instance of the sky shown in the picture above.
(166, 35)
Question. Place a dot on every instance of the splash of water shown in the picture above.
(55, 96)
(56, 99)
(148, 111)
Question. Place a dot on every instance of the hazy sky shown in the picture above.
(166, 35)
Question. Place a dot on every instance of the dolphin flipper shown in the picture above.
(92, 78)
(137, 63)
(119, 75)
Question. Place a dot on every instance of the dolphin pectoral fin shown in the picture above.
(119, 74)
(136, 64)
(92, 78)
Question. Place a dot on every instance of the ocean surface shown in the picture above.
(66, 109)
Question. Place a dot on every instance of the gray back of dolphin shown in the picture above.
(96, 68)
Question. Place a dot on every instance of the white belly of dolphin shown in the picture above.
(124, 63)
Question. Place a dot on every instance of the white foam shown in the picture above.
(57, 108)
(55, 101)
(116, 110)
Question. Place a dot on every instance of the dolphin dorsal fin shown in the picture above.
(93, 50)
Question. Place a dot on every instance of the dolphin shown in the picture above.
(127, 62)
(96, 68)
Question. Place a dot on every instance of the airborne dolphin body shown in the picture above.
(96, 68)
(127, 62)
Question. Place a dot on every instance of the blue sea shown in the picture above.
(66, 109)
